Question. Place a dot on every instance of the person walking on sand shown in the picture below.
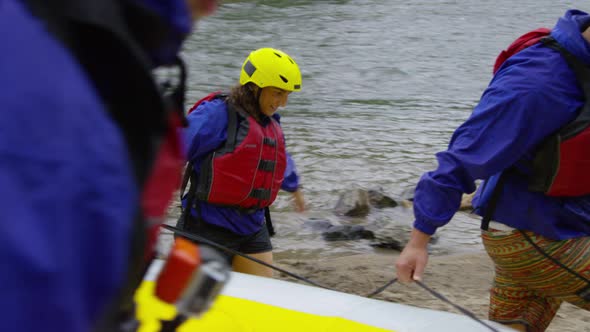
(528, 139)
(238, 160)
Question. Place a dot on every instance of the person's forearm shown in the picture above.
(418, 239)
(299, 200)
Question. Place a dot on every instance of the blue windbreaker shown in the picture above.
(532, 95)
(207, 130)
(67, 194)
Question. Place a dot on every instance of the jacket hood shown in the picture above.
(174, 12)
(176, 17)
(567, 33)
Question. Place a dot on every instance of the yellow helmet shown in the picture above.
(271, 67)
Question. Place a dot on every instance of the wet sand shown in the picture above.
(464, 279)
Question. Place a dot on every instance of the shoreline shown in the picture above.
(464, 279)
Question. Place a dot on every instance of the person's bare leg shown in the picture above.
(244, 265)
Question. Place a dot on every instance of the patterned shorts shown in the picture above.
(528, 287)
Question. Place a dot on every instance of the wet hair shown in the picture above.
(246, 98)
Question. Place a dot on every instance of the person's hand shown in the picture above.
(412, 261)
(299, 201)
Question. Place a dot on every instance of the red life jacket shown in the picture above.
(248, 170)
(561, 162)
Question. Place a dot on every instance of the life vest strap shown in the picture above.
(490, 207)
(269, 141)
(267, 165)
(582, 121)
(260, 193)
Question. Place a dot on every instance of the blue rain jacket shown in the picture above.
(532, 95)
(67, 194)
(207, 130)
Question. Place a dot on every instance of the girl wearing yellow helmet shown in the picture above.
(238, 161)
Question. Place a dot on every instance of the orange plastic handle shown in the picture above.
(184, 260)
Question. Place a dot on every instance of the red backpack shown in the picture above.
(209, 97)
(560, 164)
(528, 39)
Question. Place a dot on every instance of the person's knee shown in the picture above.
(245, 265)
(518, 327)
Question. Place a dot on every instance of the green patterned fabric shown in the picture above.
(529, 288)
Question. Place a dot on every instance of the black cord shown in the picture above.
(382, 288)
(461, 309)
(198, 238)
(553, 259)
(438, 296)
(201, 239)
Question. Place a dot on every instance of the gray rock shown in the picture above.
(466, 202)
(317, 224)
(408, 193)
(395, 237)
(358, 202)
(353, 203)
(347, 232)
(379, 200)
(408, 198)
(391, 244)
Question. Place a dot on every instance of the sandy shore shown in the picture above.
(464, 279)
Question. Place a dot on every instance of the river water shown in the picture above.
(385, 83)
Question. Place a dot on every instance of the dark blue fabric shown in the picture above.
(206, 132)
(177, 16)
(66, 191)
(174, 12)
(533, 94)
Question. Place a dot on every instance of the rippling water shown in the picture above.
(385, 83)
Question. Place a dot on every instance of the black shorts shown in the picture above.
(256, 243)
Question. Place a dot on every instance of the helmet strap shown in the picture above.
(257, 91)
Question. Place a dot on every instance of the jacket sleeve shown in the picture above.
(519, 108)
(291, 181)
(207, 129)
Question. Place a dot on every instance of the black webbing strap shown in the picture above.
(269, 141)
(232, 128)
(582, 121)
(260, 193)
(493, 202)
(266, 165)
(190, 197)
(269, 226)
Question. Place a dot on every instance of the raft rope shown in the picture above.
(436, 294)
(461, 309)
(201, 239)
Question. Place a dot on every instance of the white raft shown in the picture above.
(255, 304)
